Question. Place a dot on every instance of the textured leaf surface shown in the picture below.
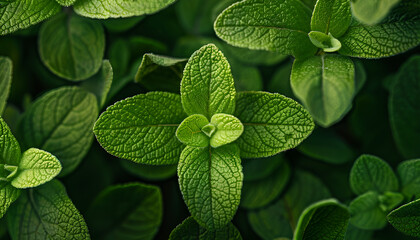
(331, 16)
(211, 180)
(325, 85)
(406, 218)
(207, 86)
(9, 147)
(35, 168)
(280, 26)
(46, 212)
(130, 211)
(60, 122)
(228, 129)
(142, 128)
(5, 80)
(8, 195)
(66, 3)
(100, 83)
(79, 46)
(409, 173)
(366, 212)
(370, 173)
(118, 8)
(371, 11)
(272, 123)
(190, 131)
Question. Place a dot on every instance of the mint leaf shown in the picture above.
(25, 14)
(36, 167)
(370, 173)
(100, 83)
(74, 57)
(267, 25)
(190, 131)
(210, 180)
(66, 3)
(272, 123)
(60, 122)
(207, 86)
(404, 108)
(9, 147)
(327, 43)
(228, 129)
(366, 212)
(149, 172)
(142, 128)
(371, 11)
(46, 212)
(409, 173)
(5, 80)
(325, 85)
(137, 217)
(332, 17)
(406, 218)
(8, 195)
(189, 229)
(118, 8)
(323, 220)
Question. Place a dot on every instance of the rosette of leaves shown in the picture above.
(206, 131)
(321, 40)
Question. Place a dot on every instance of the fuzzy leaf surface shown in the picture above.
(406, 218)
(190, 131)
(8, 194)
(228, 129)
(331, 16)
(9, 147)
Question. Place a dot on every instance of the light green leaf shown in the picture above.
(210, 180)
(36, 168)
(149, 172)
(331, 16)
(46, 212)
(21, 14)
(142, 128)
(100, 83)
(366, 212)
(404, 108)
(323, 220)
(137, 217)
(9, 146)
(79, 46)
(189, 229)
(61, 122)
(118, 8)
(325, 85)
(370, 173)
(327, 43)
(207, 86)
(406, 218)
(5, 80)
(190, 131)
(8, 195)
(228, 129)
(272, 123)
(409, 173)
(371, 11)
(66, 3)
(267, 25)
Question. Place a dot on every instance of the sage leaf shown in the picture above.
(5, 80)
(327, 43)
(366, 212)
(142, 128)
(409, 173)
(100, 83)
(331, 16)
(210, 180)
(371, 12)
(8, 194)
(190, 131)
(406, 218)
(228, 129)
(74, 57)
(9, 147)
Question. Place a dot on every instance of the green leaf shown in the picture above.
(325, 85)
(389, 200)
(404, 108)
(323, 220)
(372, 11)
(79, 46)
(255, 57)
(210, 180)
(117, 25)
(207, 86)
(366, 212)
(66, 3)
(149, 172)
(189, 229)
(327, 43)
(9, 146)
(260, 168)
(60, 122)
(354, 233)
(190, 131)
(36, 168)
(8, 195)
(46, 212)
(5, 80)
(119, 55)
(267, 25)
(100, 83)
(160, 73)
(370, 173)
(142, 128)
(406, 218)
(137, 217)
(331, 16)
(25, 14)
(272, 123)
(409, 173)
(228, 129)
(118, 8)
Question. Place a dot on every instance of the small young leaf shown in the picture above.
(8, 195)
(190, 131)
(100, 83)
(331, 16)
(267, 25)
(370, 173)
(325, 85)
(207, 86)
(5, 80)
(46, 212)
(142, 128)
(36, 168)
(79, 46)
(328, 43)
(228, 129)
(210, 180)
(138, 217)
(323, 220)
(272, 123)
(371, 12)
(118, 8)
(389, 200)
(409, 173)
(366, 212)
(406, 218)
(9, 147)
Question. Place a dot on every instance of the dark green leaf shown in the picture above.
(100, 83)
(406, 218)
(5, 80)
(331, 16)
